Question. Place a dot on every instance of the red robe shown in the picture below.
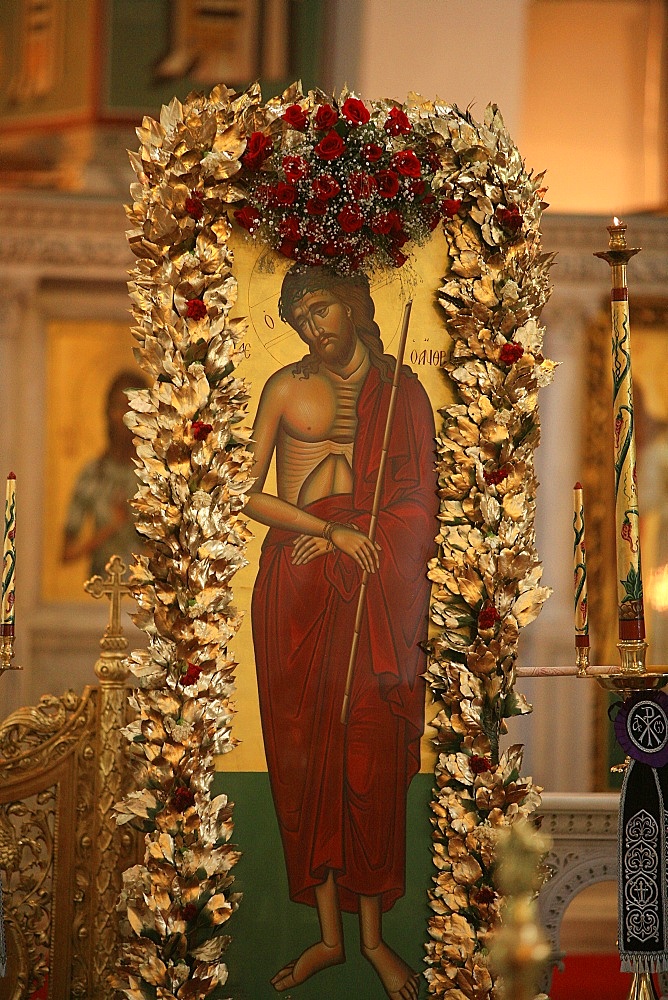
(340, 790)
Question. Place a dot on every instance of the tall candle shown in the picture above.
(9, 558)
(580, 569)
(627, 536)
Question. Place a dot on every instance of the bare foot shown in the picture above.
(398, 979)
(318, 956)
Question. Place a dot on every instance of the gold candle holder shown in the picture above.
(633, 653)
(7, 649)
(642, 987)
(582, 660)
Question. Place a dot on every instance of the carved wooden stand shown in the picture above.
(61, 771)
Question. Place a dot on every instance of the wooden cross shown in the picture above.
(113, 588)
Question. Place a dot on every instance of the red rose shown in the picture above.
(450, 207)
(194, 206)
(510, 353)
(350, 219)
(196, 309)
(372, 152)
(361, 185)
(355, 112)
(479, 765)
(325, 187)
(399, 239)
(399, 258)
(382, 224)
(388, 183)
(418, 188)
(406, 163)
(509, 219)
(395, 219)
(258, 148)
(313, 230)
(201, 432)
(183, 799)
(495, 476)
(188, 912)
(295, 116)
(325, 117)
(294, 168)
(264, 193)
(191, 675)
(488, 616)
(314, 206)
(397, 123)
(331, 248)
(387, 222)
(330, 147)
(248, 217)
(433, 219)
(289, 228)
(485, 894)
(288, 248)
(284, 194)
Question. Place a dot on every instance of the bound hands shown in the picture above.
(345, 537)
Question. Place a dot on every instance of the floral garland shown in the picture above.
(194, 471)
(201, 159)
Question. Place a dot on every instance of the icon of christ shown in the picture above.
(340, 789)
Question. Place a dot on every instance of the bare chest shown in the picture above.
(321, 409)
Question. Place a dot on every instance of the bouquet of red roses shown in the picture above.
(341, 185)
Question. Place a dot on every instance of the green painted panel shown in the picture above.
(138, 38)
(268, 930)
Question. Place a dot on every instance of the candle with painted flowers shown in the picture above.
(9, 558)
(629, 576)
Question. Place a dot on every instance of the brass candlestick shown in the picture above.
(642, 987)
(582, 660)
(7, 649)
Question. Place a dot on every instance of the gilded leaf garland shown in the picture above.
(226, 154)
(487, 574)
(193, 469)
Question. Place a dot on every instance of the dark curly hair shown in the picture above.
(352, 291)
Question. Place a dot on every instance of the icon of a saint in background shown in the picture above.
(99, 520)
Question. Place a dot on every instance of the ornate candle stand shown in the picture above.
(7, 649)
(642, 723)
(648, 732)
